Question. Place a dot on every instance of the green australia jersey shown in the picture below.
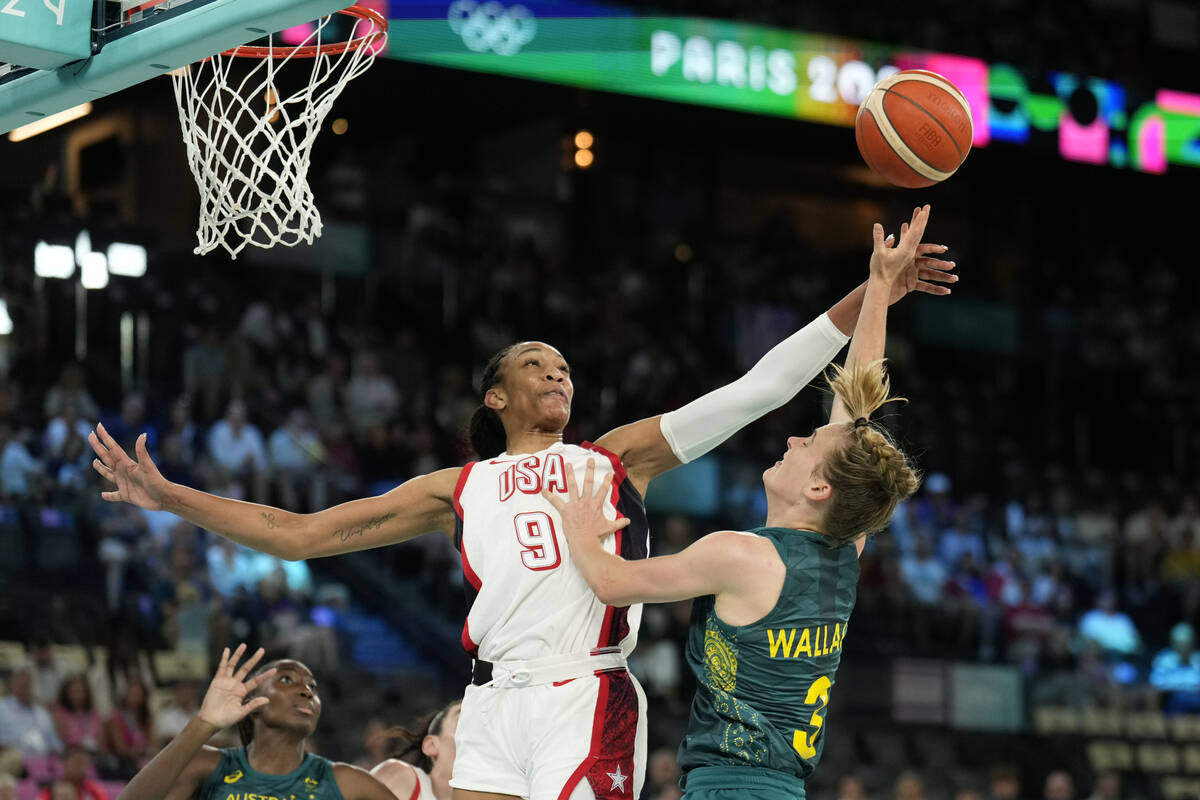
(235, 779)
(762, 689)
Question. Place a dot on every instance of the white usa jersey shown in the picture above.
(525, 597)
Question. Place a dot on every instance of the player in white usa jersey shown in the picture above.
(557, 716)
(427, 776)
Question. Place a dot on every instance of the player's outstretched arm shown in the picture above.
(418, 506)
(652, 446)
(355, 783)
(890, 261)
(720, 562)
(181, 766)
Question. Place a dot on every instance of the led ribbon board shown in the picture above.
(810, 77)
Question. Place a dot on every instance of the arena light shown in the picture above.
(93, 271)
(6, 326)
(128, 260)
(83, 246)
(53, 260)
(48, 123)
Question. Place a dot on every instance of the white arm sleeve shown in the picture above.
(778, 376)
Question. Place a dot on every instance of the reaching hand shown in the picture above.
(583, 510)
(225, 702)
(924, 274)
(138, 482)
(904, 264)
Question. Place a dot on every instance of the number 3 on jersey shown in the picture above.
(535, 532)
(802, 743)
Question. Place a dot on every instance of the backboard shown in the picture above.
(130, 41)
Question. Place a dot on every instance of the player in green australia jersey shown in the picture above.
(773, 604)
(276, 709)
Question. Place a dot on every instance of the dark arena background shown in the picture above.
(1025, 628)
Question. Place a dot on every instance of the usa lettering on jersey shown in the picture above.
(531, 474)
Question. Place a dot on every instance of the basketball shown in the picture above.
(914, 129)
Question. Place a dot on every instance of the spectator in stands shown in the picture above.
(324, 390)
(1180, 570)
(908, 786)
(925, 578)
(206, 373)
(1028, 626)
(129, 729)
(371, 396)
(75, 717)
(386, 462)
(24, 725)
(1176, 672)
(662, 774)
(61, 428)
(70, 389)
(131, 422)
(174, 463)
(236, 446)
(1059, 786)
(1188, 519)
(77, 775)
(341, 461)
(47, 677)
(1107, 786)
(8, 784)
(851, 787)
(296, 455)
(1090, 554)
(21, 475)
(183, 427)
(1146, 526)
(966, 597)
(1004, 782)
(1034, 534)
(1113, 630)
(959, 539)
(171, 718)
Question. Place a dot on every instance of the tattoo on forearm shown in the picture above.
(270, 518)
(346, 534)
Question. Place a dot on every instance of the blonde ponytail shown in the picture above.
(870, 474)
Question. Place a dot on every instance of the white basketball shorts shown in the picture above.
(554, 731)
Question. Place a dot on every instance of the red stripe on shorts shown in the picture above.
(609, 764)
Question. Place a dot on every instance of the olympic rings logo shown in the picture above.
(491, 26)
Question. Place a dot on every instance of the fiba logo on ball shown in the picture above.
(492, 26)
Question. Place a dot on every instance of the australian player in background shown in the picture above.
(276, 710)
(773, 604)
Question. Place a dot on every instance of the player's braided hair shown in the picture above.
(870, 474)
(486, 431)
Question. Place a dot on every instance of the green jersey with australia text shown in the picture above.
(762, 689)
(234, 779)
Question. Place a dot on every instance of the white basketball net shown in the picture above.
(248, 144)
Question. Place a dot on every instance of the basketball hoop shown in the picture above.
(249, 141)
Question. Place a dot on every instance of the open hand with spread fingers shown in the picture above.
(906, 263)
(583, 509)
(225, 702)
(924, 273)
(138, 482)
